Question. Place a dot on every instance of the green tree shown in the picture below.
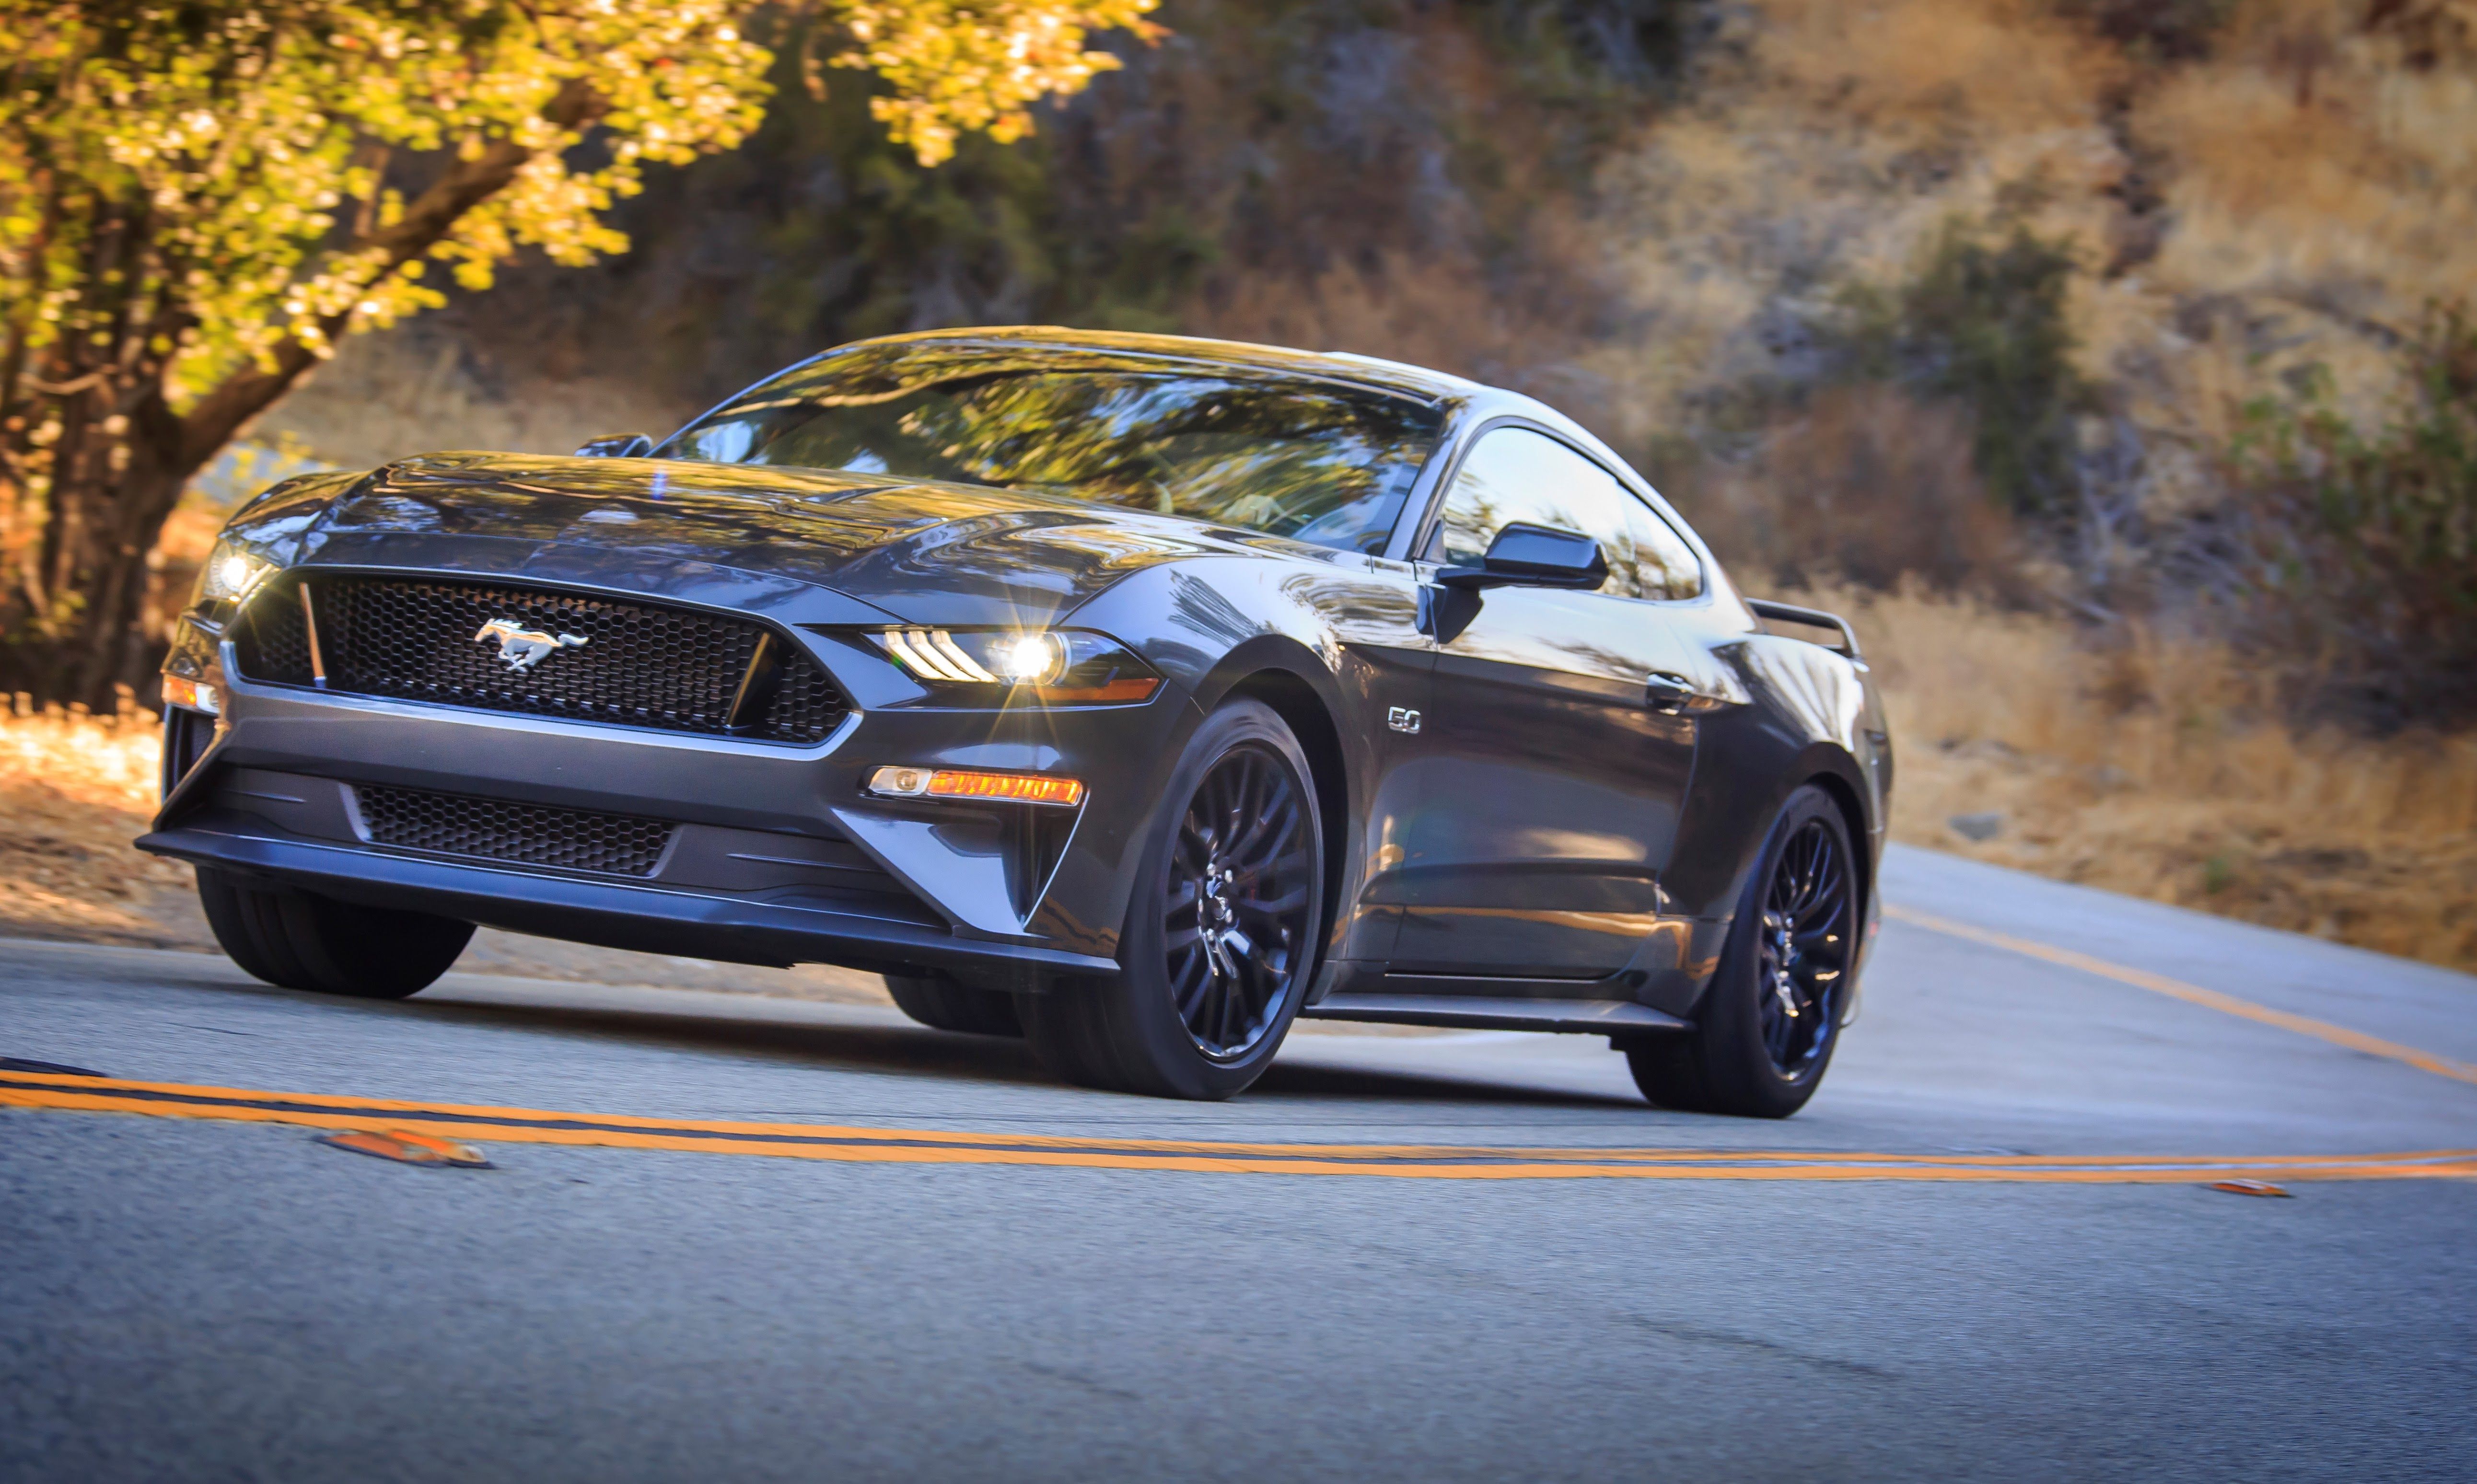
(198, 200)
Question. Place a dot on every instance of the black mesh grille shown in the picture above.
(639, 666)
(275, 640)
(537, 835)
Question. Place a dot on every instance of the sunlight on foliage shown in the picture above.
(197, 201)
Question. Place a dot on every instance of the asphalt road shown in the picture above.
(987, 1275)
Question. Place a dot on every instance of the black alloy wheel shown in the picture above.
(1769, 1022)
(1235, 906)
(1221, 929)
(1804, 947)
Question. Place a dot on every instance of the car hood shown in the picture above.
(810, 545)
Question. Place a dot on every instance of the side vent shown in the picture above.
(186, 736)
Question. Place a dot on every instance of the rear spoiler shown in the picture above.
(1812, 618)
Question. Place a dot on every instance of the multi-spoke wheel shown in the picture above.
(1221, 931)
(1765, 1030)
(1235, 910)
(1803, 947)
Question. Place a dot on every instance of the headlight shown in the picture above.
(230, 573)
(996, 667)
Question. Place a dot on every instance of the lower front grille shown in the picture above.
(498, 829)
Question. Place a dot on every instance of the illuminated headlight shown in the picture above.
(993, 666)
(1030, 659)
(231, 573)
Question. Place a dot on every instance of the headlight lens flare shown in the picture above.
(1053, 668)
(231, 573)
(1031, 658)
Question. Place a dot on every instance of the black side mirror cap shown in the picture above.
(1528, 555)
(619, 445)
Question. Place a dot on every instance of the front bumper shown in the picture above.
(778, 855)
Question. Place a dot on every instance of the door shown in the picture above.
(1549, 777)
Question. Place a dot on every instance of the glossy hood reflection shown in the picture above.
(920, 550)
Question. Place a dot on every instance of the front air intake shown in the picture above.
(531, 834)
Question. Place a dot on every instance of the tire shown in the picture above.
(942, 1004)
(301, 941)
(1770, 1020)
(1221, 930)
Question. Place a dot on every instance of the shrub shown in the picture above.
(1982, 323)
(2354, 553)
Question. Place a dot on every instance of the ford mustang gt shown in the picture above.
(1130, 694)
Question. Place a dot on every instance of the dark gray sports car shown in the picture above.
(1130, 694)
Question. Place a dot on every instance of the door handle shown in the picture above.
(1666, 692)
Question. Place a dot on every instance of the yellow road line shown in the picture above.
(2193, 993)
(847, 1143)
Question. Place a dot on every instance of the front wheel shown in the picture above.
(302, 941)
(1221, 930)
(1770, 1022)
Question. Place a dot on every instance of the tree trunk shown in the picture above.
(93, 453)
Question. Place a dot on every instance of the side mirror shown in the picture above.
(619, 445)
(1528, 555)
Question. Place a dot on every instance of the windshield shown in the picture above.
(1310, 460)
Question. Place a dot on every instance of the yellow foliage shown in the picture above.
(960, 66)
(237, 160)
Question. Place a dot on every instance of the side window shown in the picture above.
(1665, 566)
(1516, 475)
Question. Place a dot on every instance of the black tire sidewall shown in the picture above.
(1152, 1045)
(942, 1004)
(300, 940)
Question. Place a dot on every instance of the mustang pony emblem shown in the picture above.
(524, 648)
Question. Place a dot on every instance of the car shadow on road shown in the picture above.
(1293, 1080)
(901, 1048)
(898, 1049)
(905, 1050)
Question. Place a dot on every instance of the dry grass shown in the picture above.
(2151, 768)
(74, 791)
(2303, 191)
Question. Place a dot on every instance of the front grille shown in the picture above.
(535, 834)
(641, 666)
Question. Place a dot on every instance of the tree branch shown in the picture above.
(465, 184)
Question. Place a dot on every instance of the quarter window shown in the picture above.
(1517, 475)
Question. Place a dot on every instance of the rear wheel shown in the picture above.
(1221, 930)
(1771, 1017)
(302, 941)
(942, 1004)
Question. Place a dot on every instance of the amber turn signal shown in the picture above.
(965, 783)
(192, 694)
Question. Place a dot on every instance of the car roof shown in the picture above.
(1392, 376)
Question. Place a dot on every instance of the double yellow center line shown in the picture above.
(862, 1145)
